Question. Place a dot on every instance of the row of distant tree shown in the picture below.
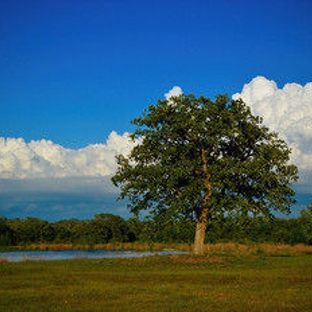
(105, 228)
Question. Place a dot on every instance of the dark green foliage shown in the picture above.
(106, 228)
(100, 232)
(30, 230)
(6, 233)
(135, 229)
(115, 224)
(306, 224)
(167, 230)
(64, 230)
(195, 155)
(103, 228)
(203, 160)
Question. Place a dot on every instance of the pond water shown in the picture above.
(18, 256)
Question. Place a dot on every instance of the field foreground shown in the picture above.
(220, 281)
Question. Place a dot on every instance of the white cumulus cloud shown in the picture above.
(44, 179)
(42, 159)
(287, 111)
(175, 91)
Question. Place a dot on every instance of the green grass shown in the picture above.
(221, 282)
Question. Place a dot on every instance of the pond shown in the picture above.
(18, 256)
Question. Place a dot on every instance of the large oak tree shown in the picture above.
(199, 158)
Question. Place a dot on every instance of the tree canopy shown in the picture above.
(199, 158)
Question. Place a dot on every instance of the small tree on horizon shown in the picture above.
(200, 158)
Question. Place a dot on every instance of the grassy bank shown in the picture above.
(137, 246)
(227, 279)
(247, 247)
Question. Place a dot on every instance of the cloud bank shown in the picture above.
(45, 159)
(59, 198)
(287, 111)
(46, 180)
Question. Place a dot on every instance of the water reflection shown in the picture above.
(18, 256)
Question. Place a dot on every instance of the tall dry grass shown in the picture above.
(267, 248)
(137, 246)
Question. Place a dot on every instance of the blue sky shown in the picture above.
(74, 71)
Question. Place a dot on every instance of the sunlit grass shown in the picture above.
(223, 280)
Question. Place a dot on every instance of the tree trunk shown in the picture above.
(202, 216)
(201, 226)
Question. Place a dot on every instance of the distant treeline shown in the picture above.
(107, 228)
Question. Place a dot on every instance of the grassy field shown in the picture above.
(224, 280)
